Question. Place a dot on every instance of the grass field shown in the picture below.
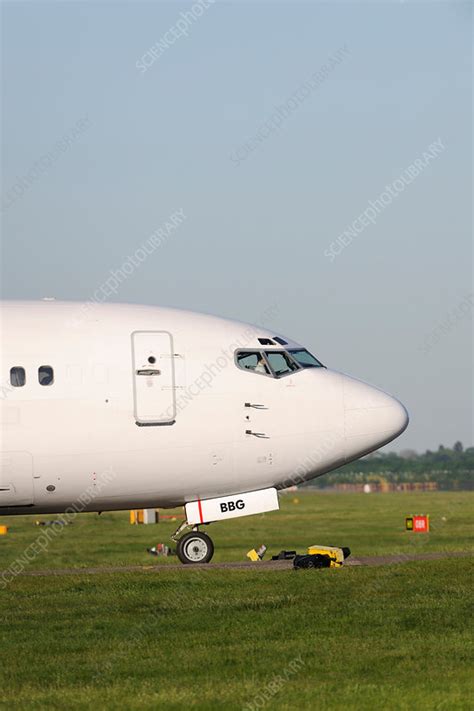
(392, 637)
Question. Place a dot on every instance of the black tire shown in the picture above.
(195, 548)
(311, 560)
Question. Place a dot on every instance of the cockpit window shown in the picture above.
(254, 361)
(281, 363)
(276, 364)
(305, 359)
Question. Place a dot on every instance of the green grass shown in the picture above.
(393, 637)
(370, 524)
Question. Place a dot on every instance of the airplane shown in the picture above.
(111, 406)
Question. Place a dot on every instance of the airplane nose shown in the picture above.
(372, 418)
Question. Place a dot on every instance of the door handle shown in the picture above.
(262, 435)
(148, 371)
(257, 407)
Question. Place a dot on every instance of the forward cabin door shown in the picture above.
(153, 378)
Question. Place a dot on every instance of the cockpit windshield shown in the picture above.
(305, 359)
(275, 363)
(281, 363)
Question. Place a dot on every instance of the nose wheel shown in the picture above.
(195, 547)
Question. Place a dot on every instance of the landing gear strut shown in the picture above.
(195, 547)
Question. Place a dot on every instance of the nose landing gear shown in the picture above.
(195, 547)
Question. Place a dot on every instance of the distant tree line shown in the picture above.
(451, 468)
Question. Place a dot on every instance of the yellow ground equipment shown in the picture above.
(3, 530)
(335, 555)
(257, 554)
(144, 516)
(136, 516)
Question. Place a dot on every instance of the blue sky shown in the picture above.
(394, 307)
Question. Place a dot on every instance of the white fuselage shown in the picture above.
(153, 399)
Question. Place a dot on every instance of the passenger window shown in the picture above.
(254, 361)
(281, 363)
(17, 376)
(45, 375)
